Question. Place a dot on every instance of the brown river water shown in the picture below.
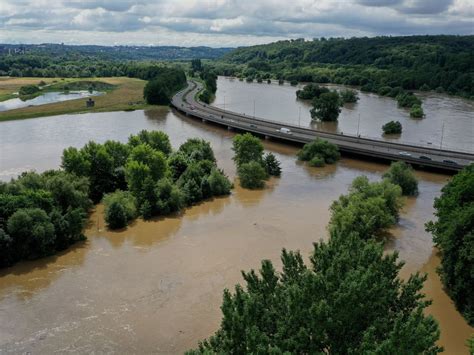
(157, 286)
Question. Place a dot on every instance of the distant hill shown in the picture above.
(440, 62)
(114, 52)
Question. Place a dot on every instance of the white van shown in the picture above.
(284, 130)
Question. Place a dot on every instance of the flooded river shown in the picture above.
(46, 98)
(157, 286)
(449, 121)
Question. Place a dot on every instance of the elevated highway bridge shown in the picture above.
(421, 156)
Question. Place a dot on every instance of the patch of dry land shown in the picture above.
(126, 94)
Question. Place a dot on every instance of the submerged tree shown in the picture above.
(327, 106)
(401, 174)
(392, 127)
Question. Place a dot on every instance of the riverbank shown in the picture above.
(126, 96)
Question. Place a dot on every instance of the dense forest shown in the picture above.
(379, 64)
(56, 60)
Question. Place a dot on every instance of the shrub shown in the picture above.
(252, 175)
(401, 174)
(293, 82)
(311, 91)
(416, 111)
(120, 208)
(317, 162)
(169, 197)
(29, 90)
(349, 96)
(408, 99)
(219, 184)
(115, 216)
(385, 90)
(272, 165)
(319, 148)
(33, 232)
(177, 163)
(368, 209)
(205, 96)
(392, 127)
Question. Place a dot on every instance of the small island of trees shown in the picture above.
(145, 177)
(253, 167)
(392, 127)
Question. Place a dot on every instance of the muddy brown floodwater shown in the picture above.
(157, 286)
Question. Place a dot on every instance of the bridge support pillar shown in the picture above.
(229, 128)
(204, 120)
(267, 138)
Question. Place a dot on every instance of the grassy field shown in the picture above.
(128, 95)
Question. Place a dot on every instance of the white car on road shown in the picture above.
(284, 130)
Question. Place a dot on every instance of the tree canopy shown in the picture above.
(41, 214)
(453, 234)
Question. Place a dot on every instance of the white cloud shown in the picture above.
(225, 22)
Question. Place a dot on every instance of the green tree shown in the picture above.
(136, 173)
(416, 111)
(32, 233)
(120, 208)
(408, 99)
(219, 184)
(177, 163)
(320, 148)
(196, 64)
(169, 197)
(155, 93)
(349, 96)
(368, 210)
(252, 175)
(327, 106)
(311, 91)
(401, 174)
(392, 127)
(74, 161)
(311, 310)
(453, 234)
(247, 148)
(197, 149)
(271, 164)
(152, 158)
(156, 139)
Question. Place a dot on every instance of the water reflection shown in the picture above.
(25, 279)
(248, 198)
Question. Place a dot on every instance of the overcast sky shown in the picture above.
(224, 23)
